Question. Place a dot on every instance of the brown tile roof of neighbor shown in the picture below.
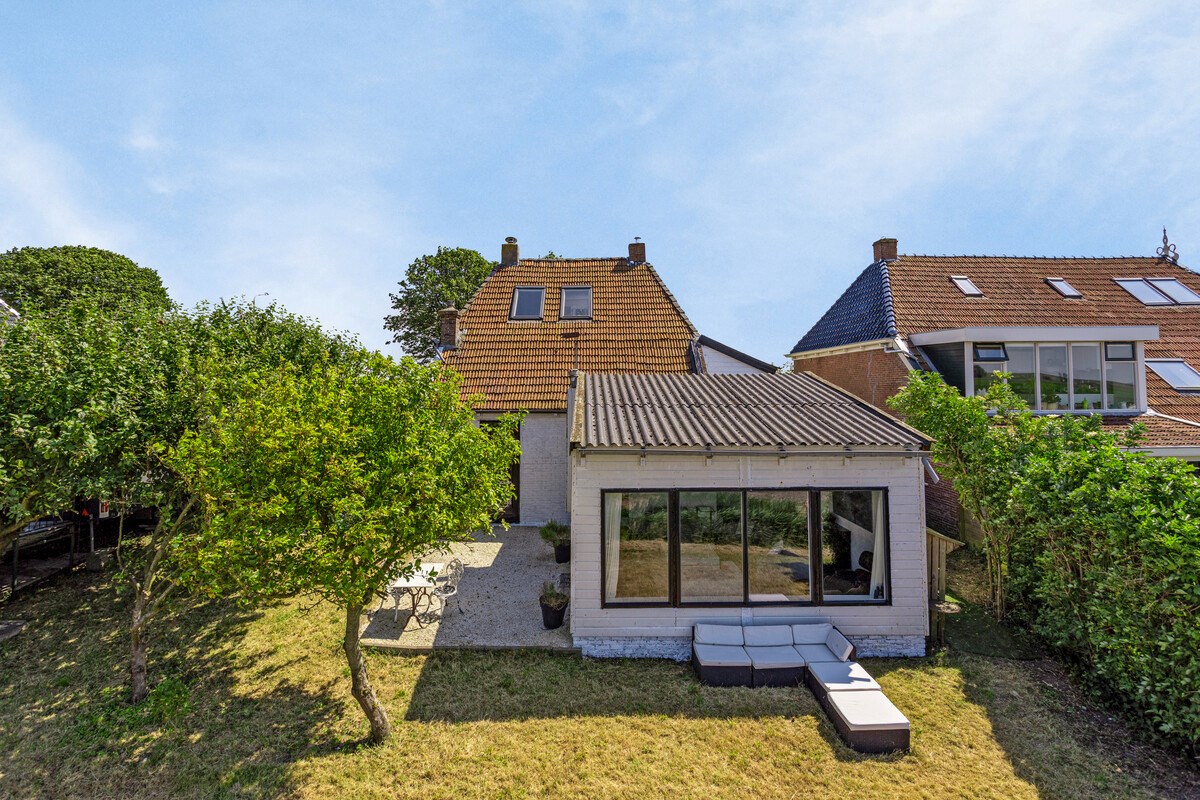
(1160, 431)
(636, 326)
(1015, 292)
(748, 410)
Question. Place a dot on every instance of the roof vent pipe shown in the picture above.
(885, 250)
(637, 251)
(509, 254)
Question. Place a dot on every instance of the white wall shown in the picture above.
(544, 465)
(717, 363)
(904, 621)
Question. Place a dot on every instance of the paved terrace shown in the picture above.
(497, 602)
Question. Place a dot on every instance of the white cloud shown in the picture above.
(43, 194)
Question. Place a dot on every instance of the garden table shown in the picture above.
(415, 587)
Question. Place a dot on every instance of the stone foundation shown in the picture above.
(681, 649)
(888, 646)
(635, 647)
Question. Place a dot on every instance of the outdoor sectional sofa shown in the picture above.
(818, 654)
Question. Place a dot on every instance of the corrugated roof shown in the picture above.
(636, 326)
(763, 410)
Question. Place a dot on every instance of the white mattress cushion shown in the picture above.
(811, 634)
(867, 711)
(813, 653)
(767, 636)
(775, 657)
(842, 676)
(718, 634)
(722, 655)
(839, 644)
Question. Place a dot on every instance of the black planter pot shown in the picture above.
(562, 553)
(553, 617)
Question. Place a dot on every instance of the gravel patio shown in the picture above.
(497, 602)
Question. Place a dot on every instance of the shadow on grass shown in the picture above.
(66, 728)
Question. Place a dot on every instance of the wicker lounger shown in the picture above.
(776, 662)
(718, 657)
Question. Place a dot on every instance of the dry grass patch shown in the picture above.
(265, 711)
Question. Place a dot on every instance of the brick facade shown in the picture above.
(872, 375)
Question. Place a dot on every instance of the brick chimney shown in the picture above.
(885, 250)
(509, 254)
(637, 251)
(448, 318)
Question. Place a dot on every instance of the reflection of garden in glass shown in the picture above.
(1121, 389)
(1022, 378)
(839, 573)
(710, 547)
(777, 545)
(641, 564)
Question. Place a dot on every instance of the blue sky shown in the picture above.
(312, 152)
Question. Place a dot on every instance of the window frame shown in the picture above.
(966, 286)
(1063, 287)
(978, 346)
(1150, 362)
(562, 302)
(512, 310)
(1139, 379)
(1191, 296)
(815, 562)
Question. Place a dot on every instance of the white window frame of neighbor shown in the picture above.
(1191, 386)
(1139, 383)
(562, 306)
(512, 311)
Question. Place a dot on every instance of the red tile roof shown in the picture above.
(636, 327)
(1015, 293)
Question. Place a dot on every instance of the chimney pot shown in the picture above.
(509, 254)
(448, 318)
(637, 251)
(885, 250)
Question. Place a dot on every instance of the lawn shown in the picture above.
(256, 703)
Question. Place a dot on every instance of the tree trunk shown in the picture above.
(137, 650)
(360, 686)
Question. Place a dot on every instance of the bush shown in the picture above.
(1111, 557)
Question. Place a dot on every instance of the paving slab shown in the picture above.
(497, 603)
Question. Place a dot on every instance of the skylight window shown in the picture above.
(1065, 289)
(527, 302)
(1175, 290)
(1176, 372)
(965, 285)
(576, 303)
(1145, 292)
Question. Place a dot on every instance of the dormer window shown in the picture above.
(1065, 289)
(966, 286)
(576, 303)
(527, 302)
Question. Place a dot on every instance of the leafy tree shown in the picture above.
(331, 481)
(450, 277)
(45, 278)
(981, 443)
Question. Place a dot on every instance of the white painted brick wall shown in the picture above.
(906, 617)
(544, 464)
(678, 649)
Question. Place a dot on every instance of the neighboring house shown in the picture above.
(742, 499)
(533, 321)
(1118, 337)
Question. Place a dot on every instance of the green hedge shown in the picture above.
(1108, 567)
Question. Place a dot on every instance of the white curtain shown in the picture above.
(879, 558)
(612, 543)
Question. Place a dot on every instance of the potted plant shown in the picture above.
(554, 605)
(558, 536)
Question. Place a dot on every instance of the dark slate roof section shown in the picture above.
(728, 411)
(737, 354)
(862, 314)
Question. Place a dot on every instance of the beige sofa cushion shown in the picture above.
(767, 636)
(718, 634)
